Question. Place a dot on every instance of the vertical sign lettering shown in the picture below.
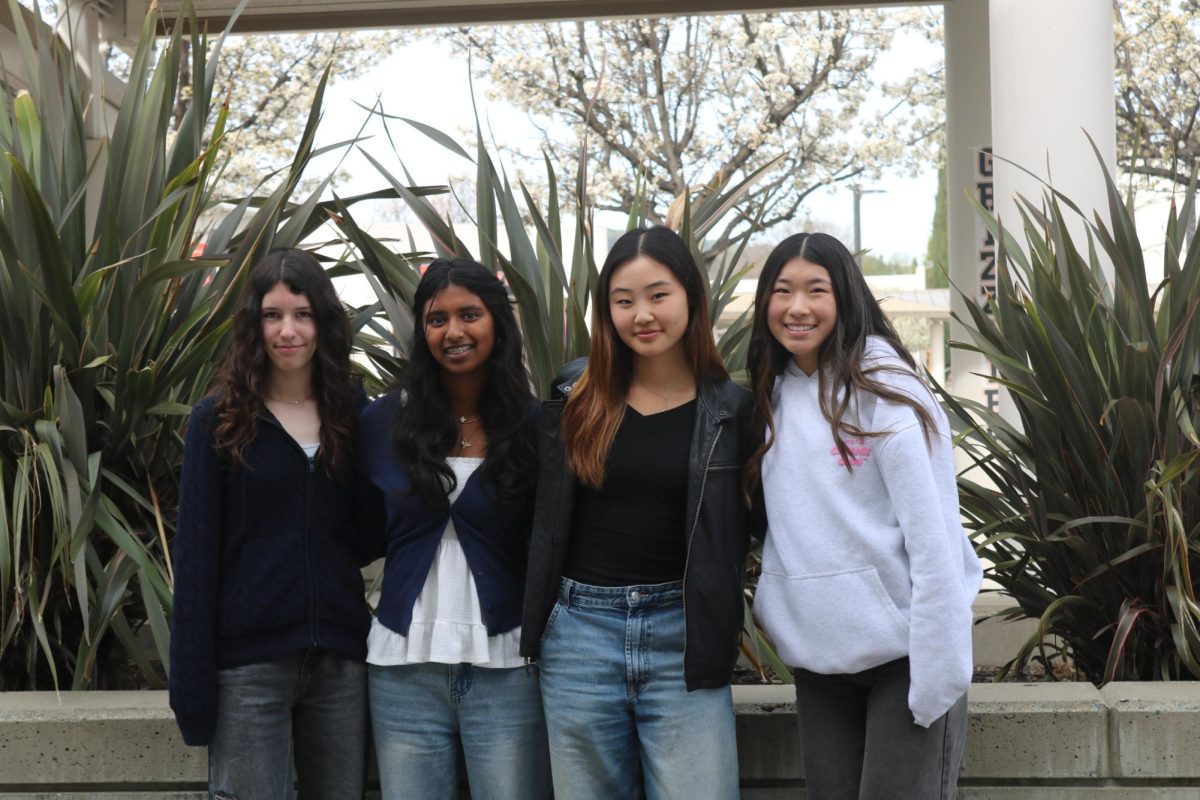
(986, 265)
(986, 243)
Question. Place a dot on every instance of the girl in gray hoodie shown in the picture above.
(868, 577)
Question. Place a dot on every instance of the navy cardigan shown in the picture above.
(265, 565)
(396, 522)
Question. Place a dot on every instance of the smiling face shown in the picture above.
(648, 306)
(459, 330)
(802, 311)
(289, 329)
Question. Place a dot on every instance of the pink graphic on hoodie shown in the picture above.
(859, 452)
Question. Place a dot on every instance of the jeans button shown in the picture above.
(634, 595)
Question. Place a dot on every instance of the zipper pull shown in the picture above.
(312, 463)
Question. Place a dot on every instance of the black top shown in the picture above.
(632, 530)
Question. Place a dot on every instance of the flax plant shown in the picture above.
(109, 332)
(1088, 505)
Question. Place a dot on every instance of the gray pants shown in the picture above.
(309, 708)
(859, 741)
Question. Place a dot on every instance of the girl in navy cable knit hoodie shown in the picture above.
(867, 575)
(270, 622)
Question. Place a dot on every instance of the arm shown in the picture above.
(757, 514)
(193, 670)
(370, 511)
(940, 614)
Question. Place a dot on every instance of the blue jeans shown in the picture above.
(858, 738)
(622, 723)
(420, 713)
(310, 704)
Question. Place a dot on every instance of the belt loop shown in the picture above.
(564, 592)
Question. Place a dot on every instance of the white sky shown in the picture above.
(422, 81)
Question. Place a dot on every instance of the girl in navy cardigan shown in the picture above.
(269, 617)
(448, 460)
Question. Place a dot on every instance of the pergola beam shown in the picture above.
(274, 16)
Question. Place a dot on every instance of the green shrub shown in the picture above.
(1088, 506)
(110, 331)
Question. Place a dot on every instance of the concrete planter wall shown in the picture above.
(1128, 741)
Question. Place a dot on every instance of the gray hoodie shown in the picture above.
(861, 568)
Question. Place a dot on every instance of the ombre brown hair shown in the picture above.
(596, 404)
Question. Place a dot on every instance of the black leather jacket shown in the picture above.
(719, 528)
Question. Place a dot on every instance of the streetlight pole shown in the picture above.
(858, 193)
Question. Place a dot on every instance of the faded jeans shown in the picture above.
(311, 705)
(620, 717)
(420, 713)
(858, 740)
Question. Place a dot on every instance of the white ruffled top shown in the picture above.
(447, 622)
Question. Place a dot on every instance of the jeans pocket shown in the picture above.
(555, 613)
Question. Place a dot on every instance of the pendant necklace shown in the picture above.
(463, 442)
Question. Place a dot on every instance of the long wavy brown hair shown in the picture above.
(596, 404)
(244, 374)
(841, 373)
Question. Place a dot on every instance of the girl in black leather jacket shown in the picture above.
(633, 600)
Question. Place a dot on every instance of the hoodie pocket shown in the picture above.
(831, 622)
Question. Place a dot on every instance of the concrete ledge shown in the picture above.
(1067, 741)
(1154, 729)
(768, 737)
(1035, 731)
(95, 738)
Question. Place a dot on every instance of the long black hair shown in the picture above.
(243, 376)
(841, 371)
(423, 428)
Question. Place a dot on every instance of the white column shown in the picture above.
(1052, 79)
(937, 348)
(968, 175)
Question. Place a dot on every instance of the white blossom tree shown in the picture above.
(269, 81)
(669, 104)
(1158, 87)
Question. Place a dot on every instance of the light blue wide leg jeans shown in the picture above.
(622, 724)
(420, 712)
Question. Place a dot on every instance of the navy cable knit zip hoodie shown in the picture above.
(265, 565)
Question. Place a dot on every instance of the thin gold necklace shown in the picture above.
(666, 398)
(304, 399)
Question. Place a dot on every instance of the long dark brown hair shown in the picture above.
(841, 372)
(244, 374)
(596, 404)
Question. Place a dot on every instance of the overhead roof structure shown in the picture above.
(305, 15)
